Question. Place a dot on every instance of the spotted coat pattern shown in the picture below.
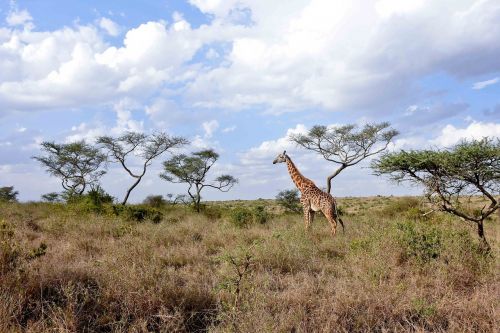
(312, 198)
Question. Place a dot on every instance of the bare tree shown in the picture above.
(346, 145)
(193, 171)
(77, 164)
(139, 145)
(452, 177)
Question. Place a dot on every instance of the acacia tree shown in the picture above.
(290, 200)
(77, 164)
(346, 145)
(193, 171)
(7, 194)
(141, 146)
(451, 177)
(51, 197)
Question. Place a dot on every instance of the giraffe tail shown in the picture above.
(337, 217)
(342, 224)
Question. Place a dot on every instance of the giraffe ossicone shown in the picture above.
(312, 198)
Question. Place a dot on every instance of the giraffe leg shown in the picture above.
(307, 216)
(329, 214)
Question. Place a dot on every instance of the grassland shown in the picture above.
(65, 269)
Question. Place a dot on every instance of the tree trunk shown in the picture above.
(480, 233)
(130, 190)
(329, 179)
(198, 199)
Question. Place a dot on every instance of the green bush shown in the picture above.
(420, 241)
(95, 201)
(401, 207)
(138, 213)
(155, 201)
(241, 216)
(211, 212)
(260, 215)
(340, 210)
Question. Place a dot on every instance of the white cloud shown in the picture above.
(210, 127)
(332, 55)
(268, 150)
(124, 119)
(212, 54)
(483, 84)
(125, 122)
(111, 27)
(229, 129)
(451, 135)
(355, 54)
(19, 17)
(386, 8)
(85, 132)
(74, 67)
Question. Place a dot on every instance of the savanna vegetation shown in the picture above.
(243, 266)
(81, 262)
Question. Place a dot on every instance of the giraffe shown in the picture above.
(312, 198)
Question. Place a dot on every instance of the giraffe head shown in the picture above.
(281, 158)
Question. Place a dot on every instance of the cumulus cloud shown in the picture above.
(451, 135)
(111, 27)
(19, 17)
(124, 122)
(356, 54)
(330, 55)
(269, 149)
(74, 67)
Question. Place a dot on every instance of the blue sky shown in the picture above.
(239, 76)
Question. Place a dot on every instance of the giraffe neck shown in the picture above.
(298, 179)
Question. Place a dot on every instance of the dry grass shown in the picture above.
(391, 271)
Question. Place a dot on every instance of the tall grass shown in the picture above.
(390, 271)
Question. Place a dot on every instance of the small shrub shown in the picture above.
(340, 210)
(420, 241)
(211, 212)
(95, 201)
(38, 251)
(423, 309)
(241, 216)
(155, 201)
(260, 215)
(360, 244)
(400, 206)
(96, 198)
(172, 220)
(138, 213)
